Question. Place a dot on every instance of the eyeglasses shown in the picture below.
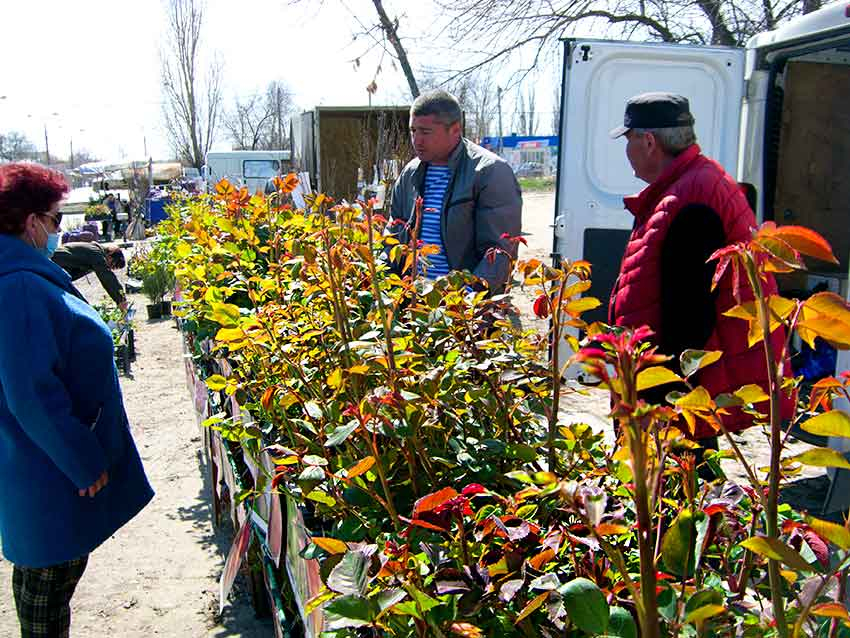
(57, 219)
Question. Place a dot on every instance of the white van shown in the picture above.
(245, 168)
(775, 114)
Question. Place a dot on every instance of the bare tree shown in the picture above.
(281, 103)
(477, 96)
(247, 121)
(192, 100)
(501, 28)
(390, 29)
(382, 35)
(15, 146)
(261, 121)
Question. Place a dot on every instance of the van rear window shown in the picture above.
(260, 168)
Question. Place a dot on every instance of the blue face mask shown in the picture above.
(51, 245)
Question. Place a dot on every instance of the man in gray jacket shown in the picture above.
(472, 201)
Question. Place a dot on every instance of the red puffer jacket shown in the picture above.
(636, 299)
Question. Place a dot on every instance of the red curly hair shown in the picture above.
(25, 189)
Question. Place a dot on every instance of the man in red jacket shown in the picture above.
(690, 208)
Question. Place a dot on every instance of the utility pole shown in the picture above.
(46, 147)
(72, 153)
(499, 98)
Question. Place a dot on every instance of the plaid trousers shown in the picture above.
(43, 597)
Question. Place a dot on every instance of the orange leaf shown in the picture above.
(433, 501)
(330, 545)
(832, 610)
(806, 241)
(268, 395)
(541, 559)
(224, 188)
(361, 467)
(611, 529)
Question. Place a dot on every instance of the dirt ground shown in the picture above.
(159, 575)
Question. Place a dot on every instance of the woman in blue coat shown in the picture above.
(70, 474)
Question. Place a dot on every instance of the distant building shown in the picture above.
(520, 150)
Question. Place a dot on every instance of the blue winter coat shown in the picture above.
(62, 419)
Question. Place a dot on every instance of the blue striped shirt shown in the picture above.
(436, 183)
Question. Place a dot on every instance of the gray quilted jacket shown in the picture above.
(483, 201)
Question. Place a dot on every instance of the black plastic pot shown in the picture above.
(154, 311)
(166, 308)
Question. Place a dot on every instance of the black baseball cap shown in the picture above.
(655, 110)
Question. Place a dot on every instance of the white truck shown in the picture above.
(245, 168)
(776, 114)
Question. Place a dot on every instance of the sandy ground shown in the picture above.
(159, 575)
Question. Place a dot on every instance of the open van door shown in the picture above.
(593, 172)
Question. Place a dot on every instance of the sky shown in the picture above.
(89, 72)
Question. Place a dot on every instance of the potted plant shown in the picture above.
(155, 284)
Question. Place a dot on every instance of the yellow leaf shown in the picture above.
(696, 399)
(775, 549)
(751, 393)
(229, 334)
(531, 607)
(704, 613)
(655, 376)
(578, 306)
(335, 378)
(216, 382)
(225, 314)
(358, 369)
(822, 457)
(330, 545)
(832, 423)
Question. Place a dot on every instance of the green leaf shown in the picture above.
(777, 550)
(216, 382)
(389, 597)
(677, 546)
(832, 423)
(521, 452)
(586, 606)
(350, 611)
(692, 360)
(341, 433)
(321, 497)
(313, 459)
(822, 457)
(621, 624)
(655, 376)
(350, 576)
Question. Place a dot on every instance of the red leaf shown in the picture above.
(819, 548)
(431, 502)
(420, 523)
(541, 306)
(472, 489)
